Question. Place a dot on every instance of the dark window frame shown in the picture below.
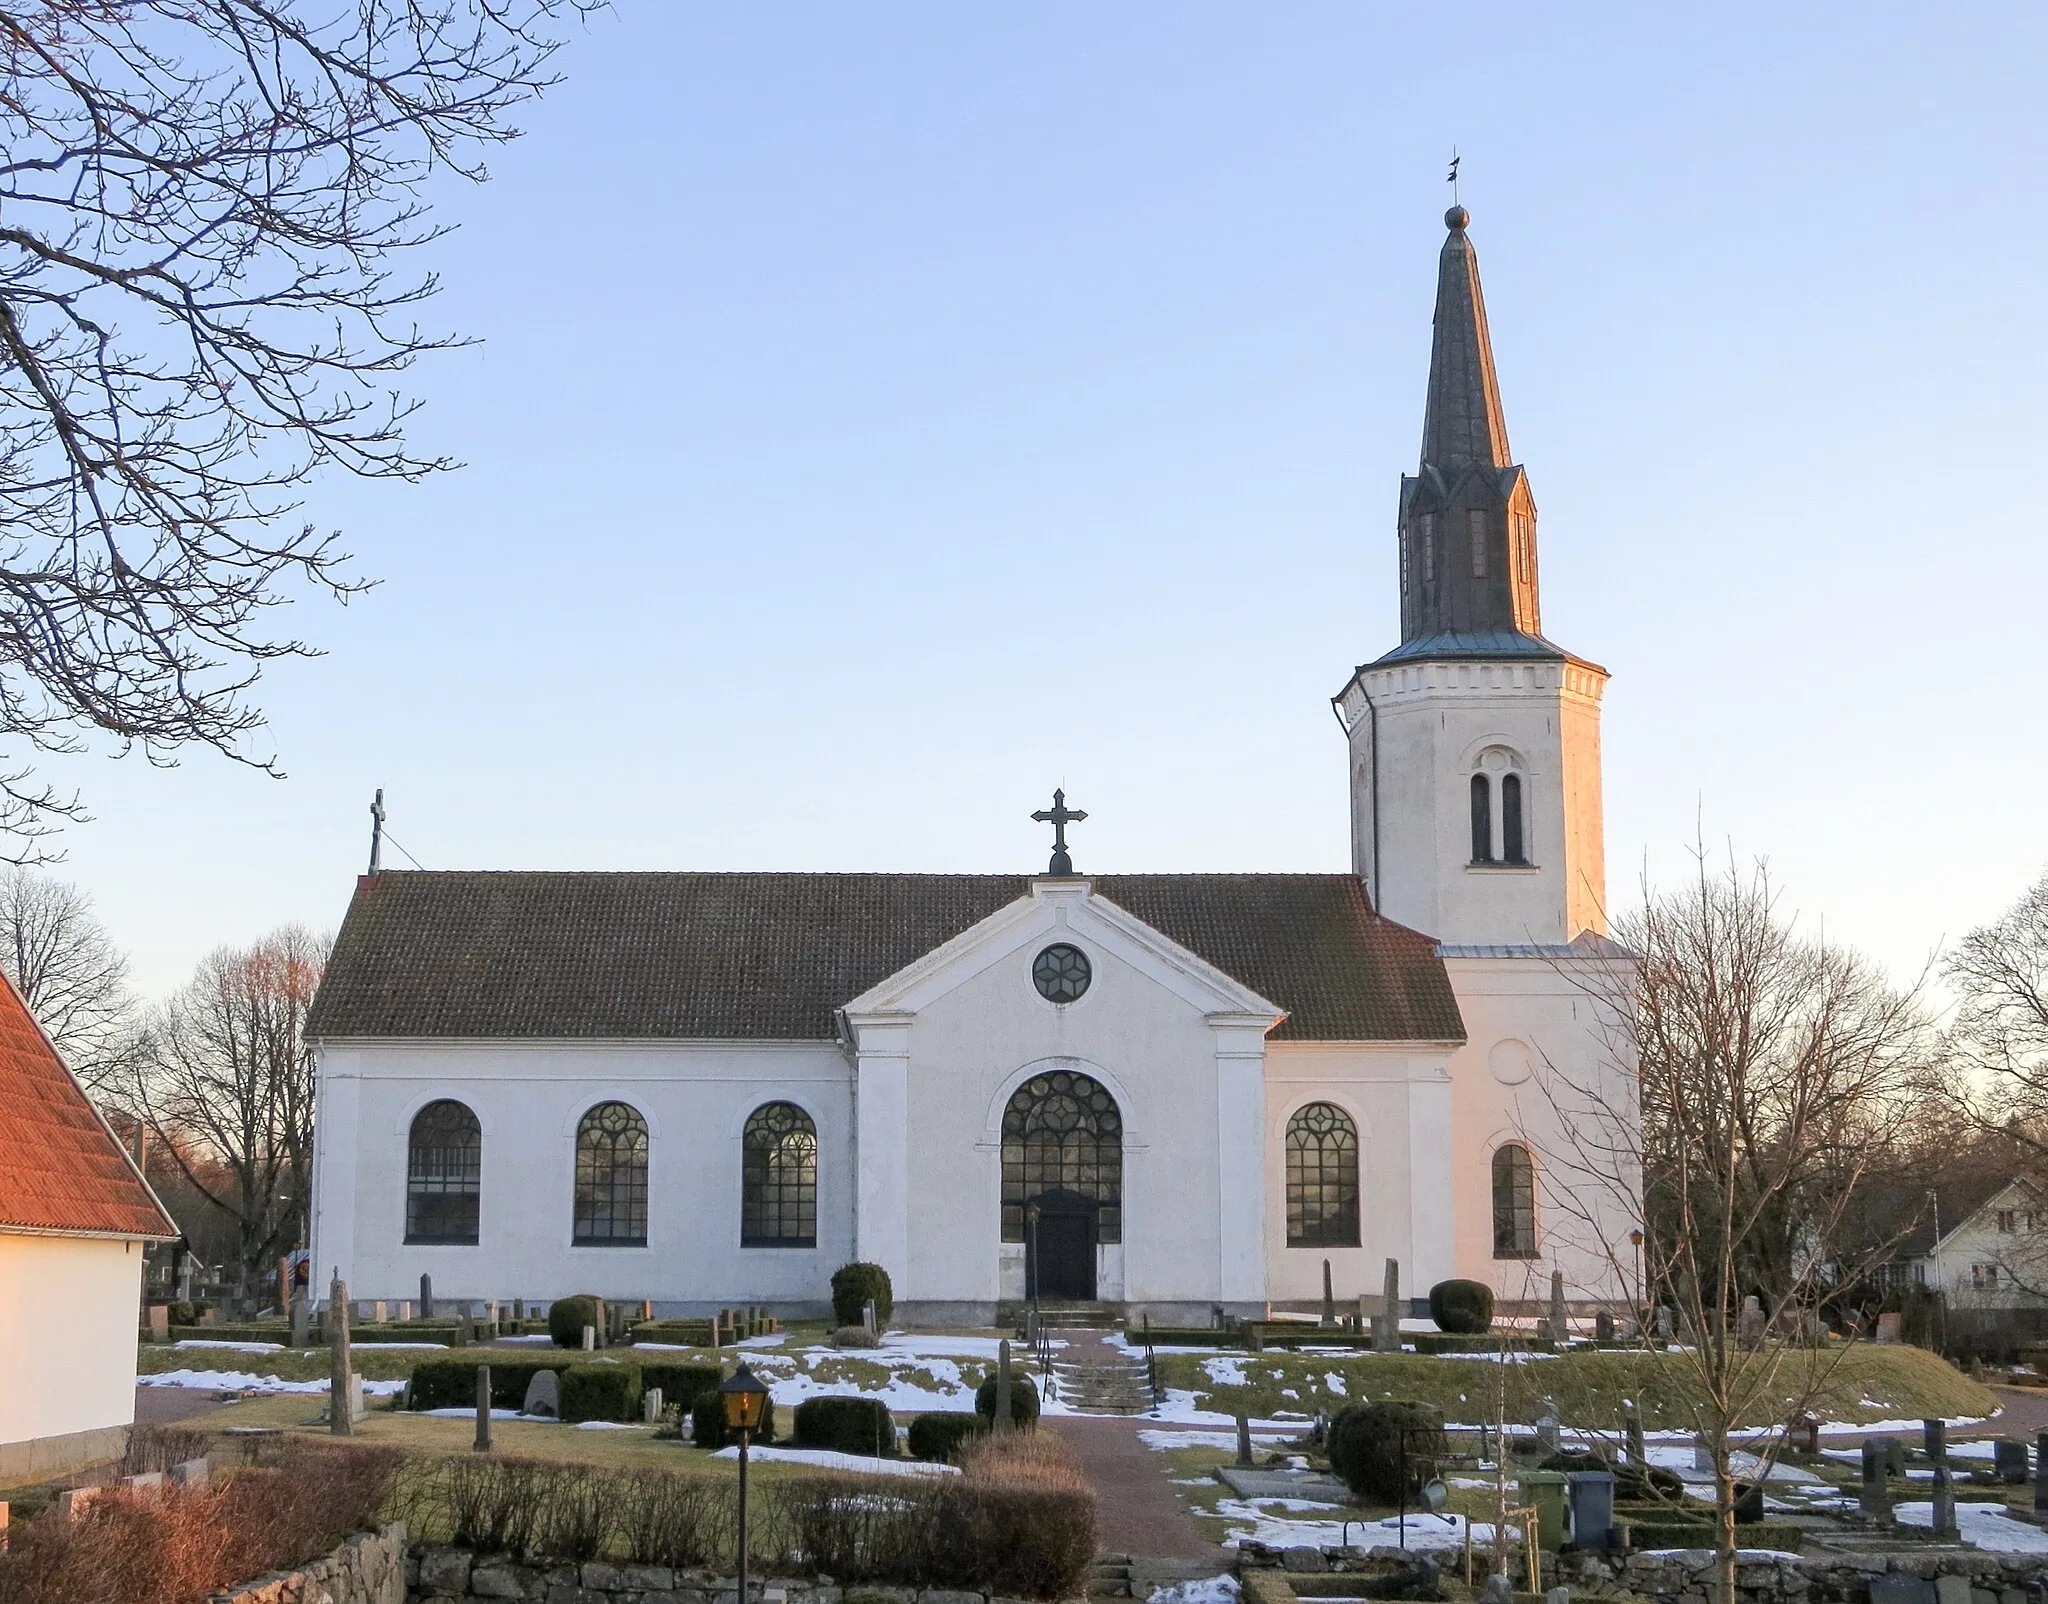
(444, 1175)
(610, 1207)
(1063, 1131)
(1513, 845)
(1482, 819)
(1514, 1202)
(779, 1178)
(1322, 1172)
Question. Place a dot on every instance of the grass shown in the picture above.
(1590, 1389)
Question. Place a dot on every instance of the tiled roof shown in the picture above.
(771, 956)
(60, 1168)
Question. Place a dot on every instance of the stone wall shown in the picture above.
(368, 1569)
(435, 1574)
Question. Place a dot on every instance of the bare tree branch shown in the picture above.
(71, 975)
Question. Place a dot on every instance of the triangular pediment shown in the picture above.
(1069, 908)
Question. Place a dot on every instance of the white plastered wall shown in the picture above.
(528, 1099)
(68, 1310)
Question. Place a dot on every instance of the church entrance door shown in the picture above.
(1059, 1255)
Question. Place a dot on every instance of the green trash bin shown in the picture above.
(1546, 1490)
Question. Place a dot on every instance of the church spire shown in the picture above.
(1463, 424)
(1468, 521)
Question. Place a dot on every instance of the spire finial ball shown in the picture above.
(1457, 217)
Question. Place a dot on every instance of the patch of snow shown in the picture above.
(1209, 1590)
(244, 1381)
(1226, 1372)
(854, 1462)
(606, 1425)
(401, 1347)
(233, 1347)
(773, 1339)
(531, 1338)
(1424, 1532)
(496, 1414)
(1893, 1428)
(1161, 1441)
(1333, 1382)
(1986, 1525)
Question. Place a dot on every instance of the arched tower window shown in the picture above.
(1482, 820)
(779, 1179)
(443, 1174)
(1511, 849)
(1062, 1133)
(611, 1178)
(1322, 1178)
(1514, 1202)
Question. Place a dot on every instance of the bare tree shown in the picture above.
(228, 1087)
(69, 972)
(1775, 1071)
(203, 204)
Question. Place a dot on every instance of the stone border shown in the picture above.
(437, 1573)
(369, 1568)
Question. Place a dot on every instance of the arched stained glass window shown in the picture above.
(1062, 1133)
(1482, 820)
(611, 1178)
(443, 1174)
(1511, 848)
(779, 1179)
(1514, 1202)
(1322, 1178)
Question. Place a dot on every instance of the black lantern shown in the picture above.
(744, 1398)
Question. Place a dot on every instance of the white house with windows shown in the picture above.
(1170, 1092)
(1996, 1257)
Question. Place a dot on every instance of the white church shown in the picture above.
(1165, 1092)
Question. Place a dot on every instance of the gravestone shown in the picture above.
(380, 1314)
(1934, 1439)
(1558, 1330)
(1603, 1326)
(190, 1472)
(590, 1339)
(2041, 1473)
(1874, 1496)
(405, 1310)
(1702, 1454)
(2009, 1461)
(1750, 1327)
(1592, 1507)
(482, 1444)
(1255, 1336)
(1944, 1513)
(147, 1481)
(1802, 1434)
(519, 1309)
(1386, 1325)
(340, 1417)
(1664, 1322)
(1329, 1297)
(650, 1406)
(461, 1338)
(1549, 1432)
(1244, 1441)
(426, 1297)
(1888, 1327)
(73, 1502)
(1894, 1455)
(302, 1320)
(543, 1395)
(160, 1322)
(1632, 1435)
(867, 1318)
(491, 1314)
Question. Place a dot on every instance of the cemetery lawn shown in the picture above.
(287, 1364)
(1591, 1389)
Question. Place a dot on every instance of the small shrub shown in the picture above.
(681, 1384)
(939, 1436)
(845, 1425)
(707, 1423)
(854, 1286)
(600, 1392)
(1366, 1448)
(855, 1337)
(1023, 1399)
(568, 1316)
(450, 1383)
(1462, 1308)
(153, 1448)
(679, 1521)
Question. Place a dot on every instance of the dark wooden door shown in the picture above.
(1060, 1253)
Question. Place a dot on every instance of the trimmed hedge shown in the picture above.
(1462, 1308)
(707, 1423)
(451, 1383)
(1023, 1399)
(845, 1424)
(1366, 1448)
(681, 1384)
(568, 1316)
(600, 1392)
(939, 1436)
(856, 1285)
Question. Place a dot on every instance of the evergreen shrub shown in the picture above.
(568, 1316)
(854, 1286)
(1023, 1399)
(1365, 1448)
(601, 1392)
(681, 1384)
(846, 1425)
(451, 1383)
(938, 1436)
(1462, 1308)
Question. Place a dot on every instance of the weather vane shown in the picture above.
(1451, 177)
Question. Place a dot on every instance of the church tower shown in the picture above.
(1475, 743)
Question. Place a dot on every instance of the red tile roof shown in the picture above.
(60, 1167)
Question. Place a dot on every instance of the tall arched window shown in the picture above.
(611, 1178)
(443, 1174)
(1322, 1178)
(1062, 1133)
(1482, 820)
(779, 1179)
(1511, 849)
(1514, 1202)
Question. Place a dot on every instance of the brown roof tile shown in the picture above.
(60, 1167)
(771, 956)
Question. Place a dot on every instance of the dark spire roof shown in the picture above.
(1468, 521)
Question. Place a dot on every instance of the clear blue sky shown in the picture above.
(888, 411)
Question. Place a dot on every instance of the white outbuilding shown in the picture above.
(75, 1218)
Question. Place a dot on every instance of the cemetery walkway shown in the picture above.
(1140, 1510)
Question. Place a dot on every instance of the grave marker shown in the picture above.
(1934, 1440)
(1558, 1330)
(2009, 1461)
(1632, 1434)
(650, 1406)
(543, 1395)
(590, 1339)
(1244, 1441)
(1874, 1497)
(482, 1445)
(1944, 1512)
(340, 1419)
(160, 1322)
(302, 1320)
(190, 1472)
(1386, 1326)
(426, 1297)
(1888, 1327)
(1329, 1297)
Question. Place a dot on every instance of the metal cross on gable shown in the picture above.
(1059, 816)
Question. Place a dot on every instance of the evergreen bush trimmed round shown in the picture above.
(1023, 1399)
(568, 1316)
(856, 1285)
(939, 1436)
(1365, 1448)
(846, 1425)
(1462, 1308)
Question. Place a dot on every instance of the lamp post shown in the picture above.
(1031, 1260)
(744, 1401)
